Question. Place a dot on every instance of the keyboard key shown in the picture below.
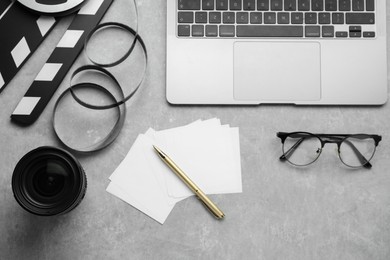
(269, 18)
(200, 17)
(345, 5)
(222, 4)
(208, 4)
(242, 17)
(184, 30)
(189, 4)
(304, 5)
(370, 5)
(358, 5)
(290, 5)
(256, 17)
(355, 34)
(338, 18)
(328, 31)
(324, 18)
(227, 30)
(276, 5)
(185, 17)
(235, 5)
(263, 5)
(355, 28)
(211, 30)
(312, 31)
(368, 34)
(341, 34)
(215, 17)
(249, 5)
(228, 17)
(311, 18)
(269, 31)
(355, 31)
(283, 18)
(360, 18)
(330, 5)
(297, 18)
(197, 31)
(317, 5)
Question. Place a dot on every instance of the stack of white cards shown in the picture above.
(208, 152)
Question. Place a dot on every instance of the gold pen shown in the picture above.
(190, 184)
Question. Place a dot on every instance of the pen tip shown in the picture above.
(159, 152)
(157, 149)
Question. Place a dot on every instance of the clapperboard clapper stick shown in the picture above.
(21, 34)
(59, 63)
(3, 6)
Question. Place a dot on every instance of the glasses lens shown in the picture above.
(301, 148)
(357, 150)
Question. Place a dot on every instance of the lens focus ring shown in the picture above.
(49, 181)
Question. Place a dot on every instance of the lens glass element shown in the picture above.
(50, 178)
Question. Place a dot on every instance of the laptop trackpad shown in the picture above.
(277, 71)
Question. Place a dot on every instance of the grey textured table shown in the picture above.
(324, 211)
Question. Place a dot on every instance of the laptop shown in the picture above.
(303, 52)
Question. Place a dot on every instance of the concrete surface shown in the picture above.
(325, 211)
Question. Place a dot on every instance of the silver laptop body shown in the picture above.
(309, 52)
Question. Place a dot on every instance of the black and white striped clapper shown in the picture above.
(21, 32)
(59, 63)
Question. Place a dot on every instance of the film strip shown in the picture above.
(59, 63)
(119, 105)
(21, 34)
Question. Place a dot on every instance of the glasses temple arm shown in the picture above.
(291, 150)
(362, 159)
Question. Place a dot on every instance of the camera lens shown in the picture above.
(49, 181)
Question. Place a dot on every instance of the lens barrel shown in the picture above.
(49, 181)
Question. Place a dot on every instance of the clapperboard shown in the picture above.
(21, 34)
(60, 61)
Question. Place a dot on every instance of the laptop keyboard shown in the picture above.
(276, 18)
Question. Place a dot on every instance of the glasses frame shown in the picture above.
(329, 138)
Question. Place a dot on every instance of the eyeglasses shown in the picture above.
(302, 148)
